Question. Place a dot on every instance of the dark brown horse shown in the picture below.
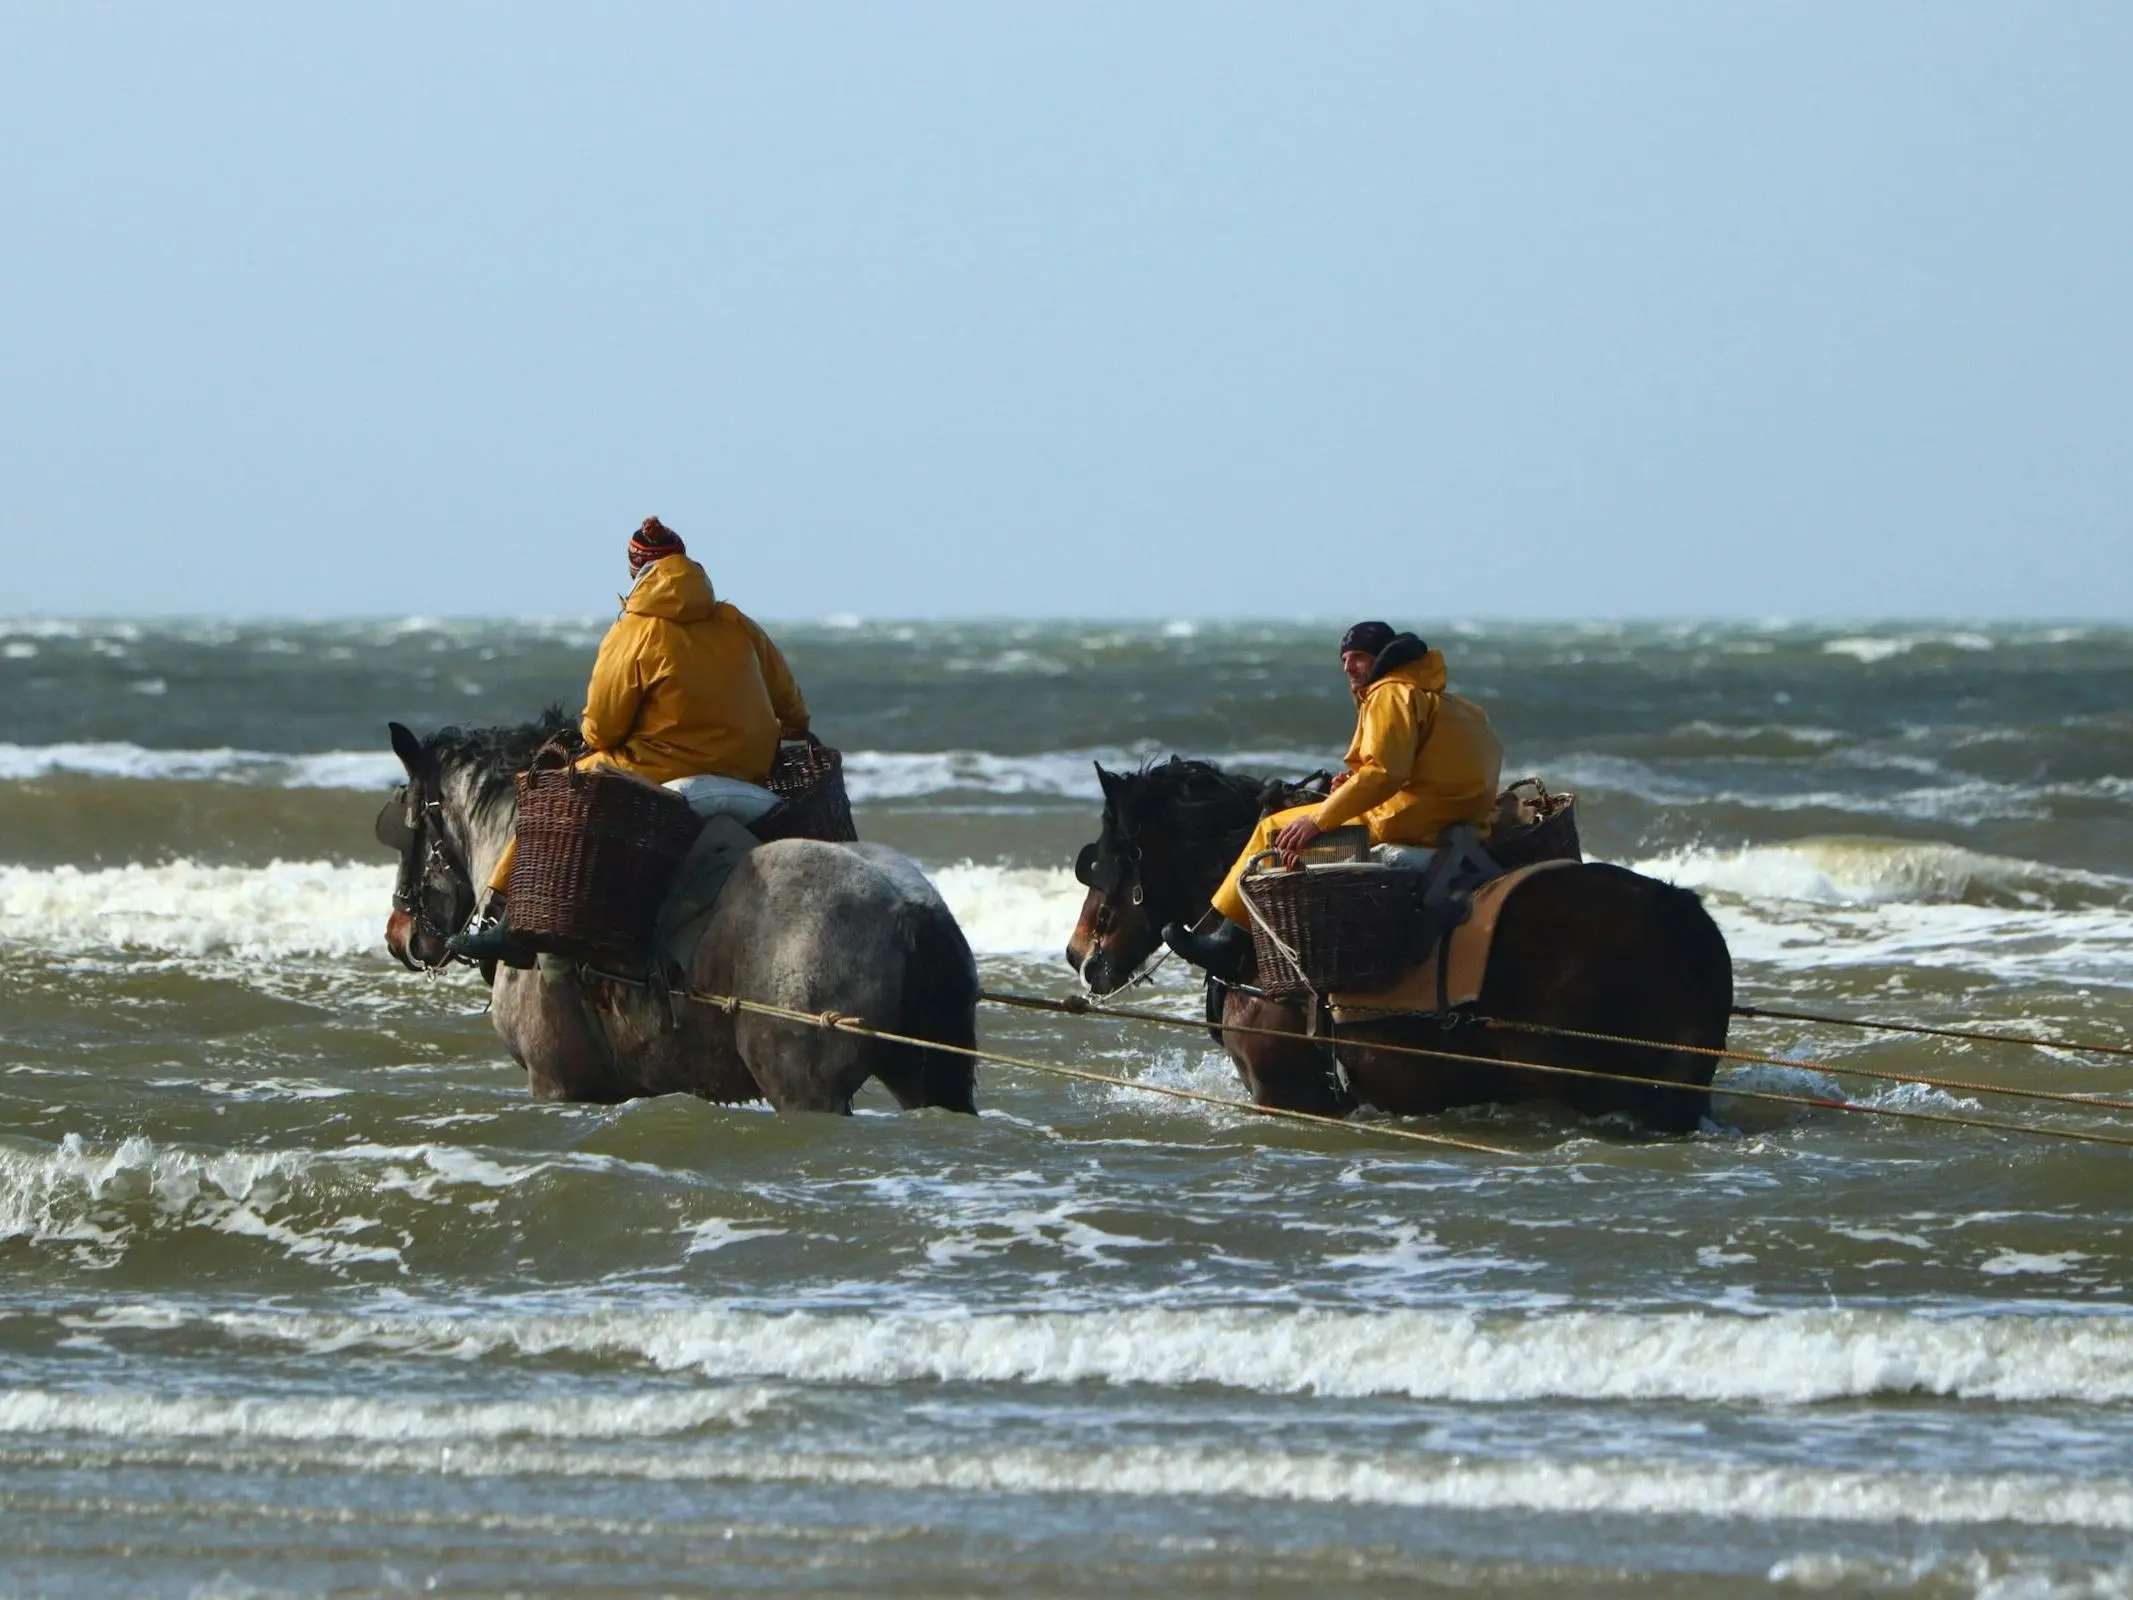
(1592, 947)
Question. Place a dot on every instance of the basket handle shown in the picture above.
(554, 754)
(1534, 784)
(1255, 864)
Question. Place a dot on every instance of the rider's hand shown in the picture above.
(1339, 778)
(1295, 837)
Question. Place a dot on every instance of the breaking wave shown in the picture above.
(338, 909)
(1863, 902)
(1790, 1358)
(332, 769)
(871, 776)
(182, 908)
(1866, 871)
(1611, 1486)
(1011, 910)
(336, 1417)
(100, 1200)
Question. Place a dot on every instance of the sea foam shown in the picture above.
(1847, 870)
(1866, 902)
(338, 909)
(183, 908)
(236, 1432)
(871, 776)
(338, 1417)
(1789, 1358)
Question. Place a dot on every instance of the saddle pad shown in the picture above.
(710, 796)
(1467, 958)
(698, 882)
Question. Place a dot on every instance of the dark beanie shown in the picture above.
(652, 540)
(1368, 637)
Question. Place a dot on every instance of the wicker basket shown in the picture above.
(1534, 826)
(596, 855)
(1319, 929)
(809, 778)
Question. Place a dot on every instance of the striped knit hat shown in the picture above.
(652, 540)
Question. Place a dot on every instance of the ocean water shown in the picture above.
(300, 1293)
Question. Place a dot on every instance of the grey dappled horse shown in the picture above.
(853, 928)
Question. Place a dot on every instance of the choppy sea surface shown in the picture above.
(300, 1293)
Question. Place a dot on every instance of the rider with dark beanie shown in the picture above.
(1422, 759)
(685, 684)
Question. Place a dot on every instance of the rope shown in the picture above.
(1805, 1064)
(1080, 1007)
(1259, 921)
(839, 1022)
(1980, 1035)
(2058, 1096)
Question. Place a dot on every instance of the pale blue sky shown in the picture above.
(1043, 309)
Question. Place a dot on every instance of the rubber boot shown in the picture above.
(492, 940)
(1226, 952)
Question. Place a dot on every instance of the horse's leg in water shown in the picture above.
(801, 927)
(1601, 949)
(1422, 1085)
(1294, 1073)
(802, 1066)
(550, 1031)
(672, 1044)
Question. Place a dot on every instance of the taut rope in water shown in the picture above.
(1077, 1006)
(1979, 1035)
(1802, 1063)
(838, 1022)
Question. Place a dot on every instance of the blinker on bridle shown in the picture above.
(434, 887)
(1110, 872)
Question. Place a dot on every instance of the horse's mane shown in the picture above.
(492, 758)
(1200, 799)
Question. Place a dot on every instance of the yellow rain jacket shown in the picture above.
(1422, 758)
(687, 684)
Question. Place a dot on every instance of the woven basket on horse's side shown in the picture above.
(809, 778)
(1332, 927)
(1534, 825)
(1354, 927)
(596, 852)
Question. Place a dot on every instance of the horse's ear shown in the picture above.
(407, 747)
(1107, 781)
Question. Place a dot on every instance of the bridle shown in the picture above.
(434, 889)
(1111, 870)
(1113, 865)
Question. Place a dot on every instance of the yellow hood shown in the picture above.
(674, 588)
(1426, 672)
(1421, 757)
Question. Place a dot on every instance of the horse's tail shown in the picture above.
(1707, 970)
(939, 1002)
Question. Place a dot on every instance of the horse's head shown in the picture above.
(448, 824)
(1169, 833)
(434, 893)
